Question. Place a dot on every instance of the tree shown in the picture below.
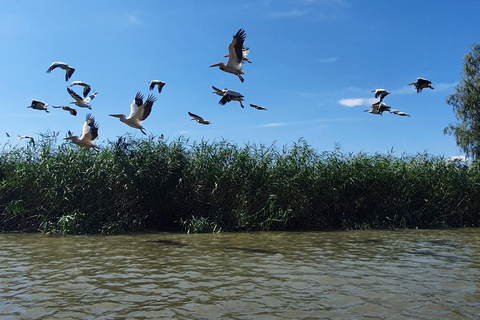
(466, 106)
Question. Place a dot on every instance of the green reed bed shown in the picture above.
(152, 184)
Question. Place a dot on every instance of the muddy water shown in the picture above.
(414, 274)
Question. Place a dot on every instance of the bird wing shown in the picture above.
(422, 81)
(235, 50)
(137, 102)
(74, 95)
(56, 65)
(194, 116)
(226, 98)
(86, 90)
(69, 72)
(146, 108)
(90, 97)
(90, 128)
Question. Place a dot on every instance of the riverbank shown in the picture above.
(152, 184)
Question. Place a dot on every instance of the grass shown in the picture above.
(152, 184)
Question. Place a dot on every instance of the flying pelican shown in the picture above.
(72, 111)
(228, 95)
(379, 108)
(245, 52)
(86, 87)
(400, 113)
(139, 111)
(234, 63)
(26, 137)
(159, 84)
(83, 103)
(198, 118)
(68, 69)
(382, 93)
(422, 84)
(89, 134)
(39, 105)
(257, 107)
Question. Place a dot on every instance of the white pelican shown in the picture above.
(26, 137)
(72, 111)
(198, 118)
(228, 95)
(422, 84)
(139, 111)
(68, 69)
(400, 113)
(379, 108)
(245, 52)
(39, 105)
(83, 103)
(89, 134)
(257, 107)
(234, 63)
(86, 87)
(382, 93)
(158, 83)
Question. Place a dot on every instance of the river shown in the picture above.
(408, 274)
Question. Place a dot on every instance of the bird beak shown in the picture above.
(215, 65)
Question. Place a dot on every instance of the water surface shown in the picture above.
(413, 274)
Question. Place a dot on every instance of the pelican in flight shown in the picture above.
(400, 113)
(139, 111)
(245, 52)
(257, 107)
(422, 83)
(86, 87)
(89, 134)
(379, 108)
(72, 111)
(382, 93)
(235, 56)
(39, 105)
(83, 103)
(198, 118)
(228, 95)
(32, 140)
(158, 83)
(68, 69)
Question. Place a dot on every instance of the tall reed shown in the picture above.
(153, 184)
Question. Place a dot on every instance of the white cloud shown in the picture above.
(355, 102)
(133, 20)
(327, 60)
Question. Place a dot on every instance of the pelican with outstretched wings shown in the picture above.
(89, 134)
(422, 83)
(379, 108)
(72, 111)
(139, 111)
(157, 83)
(235, 56)
(198, 118)
(228, 95)
(38, 105)
(62, 65)
(79, 101)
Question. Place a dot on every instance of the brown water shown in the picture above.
(414, 274)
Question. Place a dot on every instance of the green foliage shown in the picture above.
(466, 106)
(153, 184)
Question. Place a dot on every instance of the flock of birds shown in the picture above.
(140, 109)
(380, 107)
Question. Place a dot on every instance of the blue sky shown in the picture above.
(315, 63)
